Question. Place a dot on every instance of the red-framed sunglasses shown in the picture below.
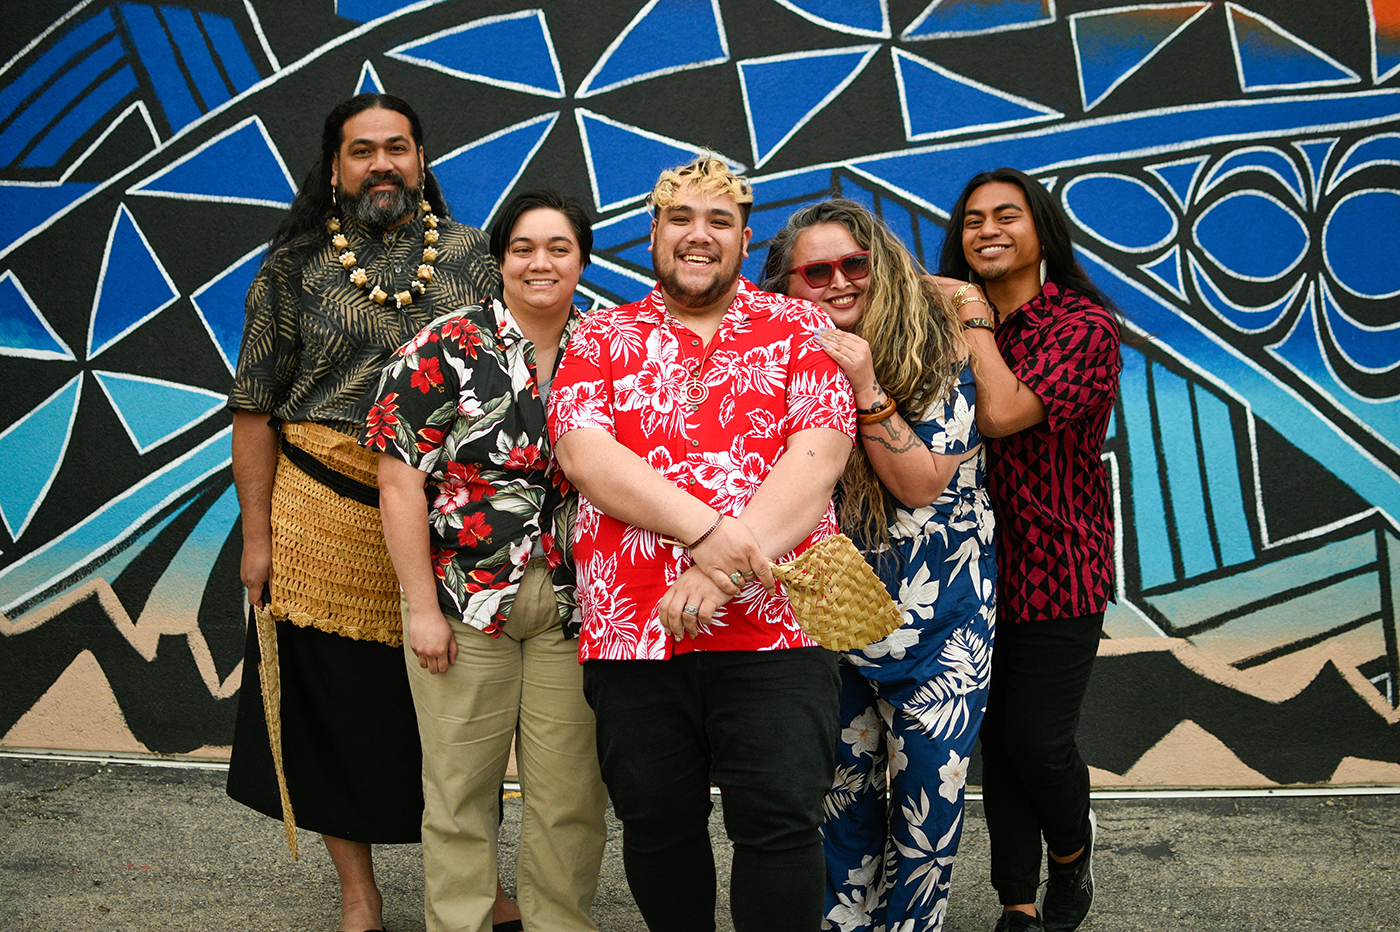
(819, 274)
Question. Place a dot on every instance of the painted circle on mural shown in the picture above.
(1361, 243)
(1252, 235)
(1120, 211)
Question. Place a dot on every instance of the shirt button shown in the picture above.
(695, 443)
(694, 342)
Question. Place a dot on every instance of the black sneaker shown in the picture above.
(1070, 890)
(1016, 921)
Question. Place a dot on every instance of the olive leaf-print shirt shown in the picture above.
(460, 402)
(314, 343)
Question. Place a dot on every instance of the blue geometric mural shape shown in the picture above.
(180, 589)
(664, 37)
(1301, 350)
(937, 102)
(943, 18)
(99, 101)
(23, 330)
(513, 50)
(626, 284)
(1179, 335)
(478, 176)
(70, 89)
(1380, 149)
(1120, 211)
(1223, 480)
(1255, 258)
(241, 165)
(933, 175)
(157, 54)
(219, 304)
(1149, 507)
(854, 17)
(1243, 318)
(112, 523)
(1166, 271)
(132, 287)
(1363, 255)
(83, 37)
(1270, 58)
(369, 82)
(362, 11)
(1111, 45)
(233, 54)
(26, 206)
(1264, 159)
(1180, 176)
(153, 411)
(1373, 350)
(630, 158)
(194, 52)
(783, 92)
(1179, 453)
(1315, 153)
(31, 450)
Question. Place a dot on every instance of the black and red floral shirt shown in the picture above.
(460, 402)
(1048, 483)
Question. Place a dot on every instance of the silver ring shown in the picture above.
(737, 579)
(691, 610)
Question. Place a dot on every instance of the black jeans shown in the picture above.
(1034, 782)
(760, 725)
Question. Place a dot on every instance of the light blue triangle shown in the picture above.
(476, 178)
(1373, 350)
(937, 102)
(23, 330)
(968, 17)
(369, 80)
(152, 410)
(25, 206)
(1110, 47)
(31, 450)
(783, 92)
(219, 304)
(666, 36)
(856, 17)
(239, 166)
(513, 51)
(1167, 271)
(132, 287)
(1269, 57)
(1180, 176)
(1316, 152)
(624, 161)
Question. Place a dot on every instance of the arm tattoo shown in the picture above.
(898, 442)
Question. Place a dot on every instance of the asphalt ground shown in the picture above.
(128, 848)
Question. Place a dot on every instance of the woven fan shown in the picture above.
(838, 599)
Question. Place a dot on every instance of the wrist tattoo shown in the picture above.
(897, 442)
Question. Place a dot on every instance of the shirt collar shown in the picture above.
(653, 309)
(508, 332)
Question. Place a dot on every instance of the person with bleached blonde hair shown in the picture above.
(705, 428)
(914, 499)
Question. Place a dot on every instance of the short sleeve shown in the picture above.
(268, 355)
(948, 425)
(1075, 367)
(819, 394)
(581, 394)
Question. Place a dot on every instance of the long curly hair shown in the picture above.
(915, 338)
(313, 202)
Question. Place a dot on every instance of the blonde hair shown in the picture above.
(915, 337)
(706, 174)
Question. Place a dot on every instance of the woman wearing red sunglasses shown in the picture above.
(914, 499)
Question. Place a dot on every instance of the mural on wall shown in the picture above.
(1232, 171)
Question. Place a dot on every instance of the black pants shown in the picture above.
(1034, 782)
(760, 725)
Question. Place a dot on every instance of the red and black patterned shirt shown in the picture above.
(1048, 483)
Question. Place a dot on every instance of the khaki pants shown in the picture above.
(526, 684)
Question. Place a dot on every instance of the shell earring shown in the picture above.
(1044, 272)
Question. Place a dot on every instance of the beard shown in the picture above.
(726, 273)
(380, 209)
